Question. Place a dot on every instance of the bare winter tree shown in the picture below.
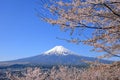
(96, 22)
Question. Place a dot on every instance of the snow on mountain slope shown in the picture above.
(58, 50)
(55, 56)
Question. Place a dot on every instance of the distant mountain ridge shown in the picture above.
(56, 56)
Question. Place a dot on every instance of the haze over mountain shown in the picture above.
(55, 56)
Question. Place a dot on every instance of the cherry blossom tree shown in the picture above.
(96, 22)
(101, 72)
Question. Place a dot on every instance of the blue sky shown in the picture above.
(23, 34)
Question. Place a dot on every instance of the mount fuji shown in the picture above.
(55, 56)
(59, 50)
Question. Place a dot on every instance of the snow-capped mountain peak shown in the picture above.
(58, 50)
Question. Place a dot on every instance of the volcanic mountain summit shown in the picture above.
(58, 50)
(55, 56)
